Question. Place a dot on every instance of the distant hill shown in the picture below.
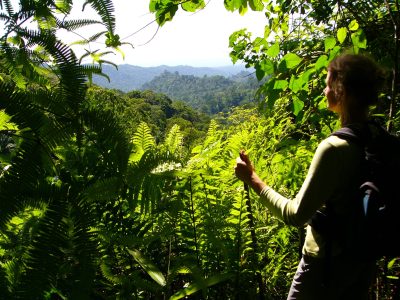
(129, 77)
(208, 94)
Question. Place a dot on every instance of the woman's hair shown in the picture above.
(356, 81)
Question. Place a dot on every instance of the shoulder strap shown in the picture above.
(356, 134)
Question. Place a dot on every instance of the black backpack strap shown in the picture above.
(359, 134)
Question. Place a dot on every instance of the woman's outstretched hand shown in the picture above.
(244, 170)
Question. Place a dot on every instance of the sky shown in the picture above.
(197, 39)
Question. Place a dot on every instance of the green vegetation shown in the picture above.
(128, 77)
(106, 195)
(156, 110)
(209, 94)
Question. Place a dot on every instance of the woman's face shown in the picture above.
(333, 102)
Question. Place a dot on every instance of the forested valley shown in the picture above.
(132, 195)
(209, 94)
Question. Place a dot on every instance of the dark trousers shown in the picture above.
(338, 278)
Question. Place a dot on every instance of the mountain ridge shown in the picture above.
(130, 77)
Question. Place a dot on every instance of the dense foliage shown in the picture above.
(154, 109)
(97, 204)
(209, 94)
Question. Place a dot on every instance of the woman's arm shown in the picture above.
(325, 176)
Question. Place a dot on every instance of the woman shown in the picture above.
(352, 86)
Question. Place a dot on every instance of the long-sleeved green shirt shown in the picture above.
(334, 171)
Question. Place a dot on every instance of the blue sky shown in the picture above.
(195, 39)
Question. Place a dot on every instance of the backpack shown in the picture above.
(375, 216)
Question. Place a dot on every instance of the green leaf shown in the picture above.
(359, 39)
(4, 118)
(196, 286)
(329, 42)
(259, 71)
(281, 85)
(192, 6)
(334, 52)
(353, 26)
(392, 262)
(232, 5)
(321, 62)
(273, 51)
(149, 267)
(295, 84)
(305, 77)
(267, 66)
(267, 32)
(292, 60)
(256, 5)
(341, 34)
(297, 105)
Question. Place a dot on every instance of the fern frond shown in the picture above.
(108, 274)
(75, 24)
(83, 56)
(35, 116)
(174, 139)
(63, 248)
(91, 69)
(148, 266)
(212, 129)
(102, 190)
(4, 283)
(87, 41)
(143, 140)
(96, 36)
(4, 17)
(8, 6)
(12, 272)
(201, 285)
(14, 58)
(111, 140)
(105, 9)
(147, 185)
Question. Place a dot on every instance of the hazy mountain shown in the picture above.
(129, 77)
